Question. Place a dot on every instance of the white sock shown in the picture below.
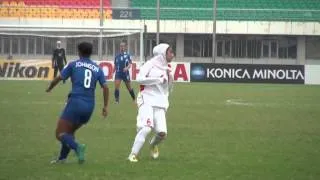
(156, 139)
(140, 139)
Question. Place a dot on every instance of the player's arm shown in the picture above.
(143, 76)
(65, 74)
(127, 67)
(64, 57)
(53, 58)
(114, 64)
(105, 92)
(53, 83)
(129, 64)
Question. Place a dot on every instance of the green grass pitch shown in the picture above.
(215, 131)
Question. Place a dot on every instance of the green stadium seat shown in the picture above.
(251, 10)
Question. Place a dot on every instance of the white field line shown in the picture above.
(4, 102)
(238, 102)
(227, 102)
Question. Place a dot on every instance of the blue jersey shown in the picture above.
(84, 75)
(121, 61)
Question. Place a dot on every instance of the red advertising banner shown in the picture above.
(180, 71)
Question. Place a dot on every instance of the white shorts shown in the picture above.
(153, 117)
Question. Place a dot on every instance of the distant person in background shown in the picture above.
(122, 64)
(10, 57)
(58, 59)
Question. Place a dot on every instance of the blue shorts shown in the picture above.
(78, 111)
(122, 76)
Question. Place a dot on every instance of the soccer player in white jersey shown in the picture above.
(155, 81)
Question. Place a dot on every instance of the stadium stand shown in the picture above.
(54, 8)
(238, 10)
(261, 10)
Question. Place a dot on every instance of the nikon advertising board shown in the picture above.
(26, 70)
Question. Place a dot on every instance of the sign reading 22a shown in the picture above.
(126, 14)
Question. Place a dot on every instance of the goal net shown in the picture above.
(38, 42)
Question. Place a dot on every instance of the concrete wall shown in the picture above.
(313, 48)
(180, 44)
(301, 50)
(117, 3)
(312, 74)
(173, 26)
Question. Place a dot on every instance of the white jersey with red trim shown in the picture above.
(155, 80)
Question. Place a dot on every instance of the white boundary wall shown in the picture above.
(312, 74)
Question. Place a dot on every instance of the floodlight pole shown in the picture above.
(141, 46)
(145, 30)
(101, 31)
(214, 31)
(158, 21)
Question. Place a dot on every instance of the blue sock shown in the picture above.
(64, 151)
(132, 94)
(117, 94)
(68, 140)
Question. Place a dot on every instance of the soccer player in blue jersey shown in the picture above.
(122, 64)
(84, 74)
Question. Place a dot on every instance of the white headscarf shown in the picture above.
(159, 60)
(159, 53)
(59, 44)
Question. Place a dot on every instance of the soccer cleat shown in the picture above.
(154, 152)
(80, 153)
(133, 158)
(58, 161)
